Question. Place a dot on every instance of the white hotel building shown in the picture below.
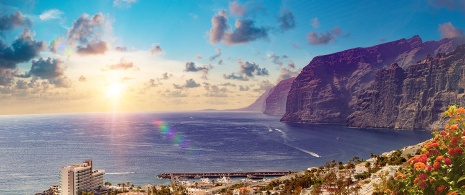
(80, 177)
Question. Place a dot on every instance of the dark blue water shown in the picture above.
(135, 147)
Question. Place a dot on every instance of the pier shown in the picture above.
(225, 174)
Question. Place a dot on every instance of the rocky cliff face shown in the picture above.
(273, 100)
(414, 98)
(327, 89)
(275, 103)
(259, 104)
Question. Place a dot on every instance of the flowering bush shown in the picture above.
(440, 168)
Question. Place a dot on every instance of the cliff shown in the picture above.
(259, 104)
(328, 88)
(414, 98)
(275, 103)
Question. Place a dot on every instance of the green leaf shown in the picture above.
(461, 179)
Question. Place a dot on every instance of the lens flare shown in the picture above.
(176, 138)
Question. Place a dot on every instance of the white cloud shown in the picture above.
(51, 14)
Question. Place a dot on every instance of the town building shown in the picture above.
(80, 177)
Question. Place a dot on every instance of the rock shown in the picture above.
(328, 88)
(275, 103)
(259, 104)
(414, 98)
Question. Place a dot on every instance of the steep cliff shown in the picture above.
(275, 103)
(259, 104)
(414, 98)
(327, 89)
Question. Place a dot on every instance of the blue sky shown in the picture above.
(288, 31)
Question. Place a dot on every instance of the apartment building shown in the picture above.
(80, 177)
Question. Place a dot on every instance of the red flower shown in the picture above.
(416, 180)
(458, 150)
(447, 161)
(440, 188)
(443, 133)
(454, 141)
(436, 165)
(423, 176)
(454, 127)
(451, 152)
(422, 185)
(439, 158)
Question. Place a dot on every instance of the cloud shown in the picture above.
(276, 59)
(23, 49)
(64, 82)
(125, 79)
(93, 48)
(156, 49)
(244, 88)
(217, 55)
(220, 62)
(51, 14)
(448, 30)
(264, 85)
(286, 20)
(47, 68)
(198, 57)
(250, 69)
(85, 29)
(122, 65)
(166, 76)
(219, 26)
(177, 93)
(286, 73)
(234, 76)
(321, 39)
(123, 3)
(228, 84)
(215, 91)
(315, 23)
(7, 76)
(247, 70)
(152, 83)
(82, 79)
(325, 38)
(87, 32)
(189, 84)
(191, 67)
(245, 32)
(121, 48)
(9, 22)
(236, 8)
(291, 64)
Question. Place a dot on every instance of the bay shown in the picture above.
(135, 147)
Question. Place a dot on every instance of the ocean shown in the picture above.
(135, 147)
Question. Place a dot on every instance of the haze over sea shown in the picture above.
(135, 147)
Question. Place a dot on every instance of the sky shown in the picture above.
(174, 55)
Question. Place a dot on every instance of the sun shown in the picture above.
(114, 90)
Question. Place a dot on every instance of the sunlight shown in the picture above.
(114, 90)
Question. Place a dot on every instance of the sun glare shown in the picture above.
(114, 90)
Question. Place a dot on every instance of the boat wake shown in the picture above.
(305, 151)
(120, 173)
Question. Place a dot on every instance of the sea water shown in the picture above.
(135, 147)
